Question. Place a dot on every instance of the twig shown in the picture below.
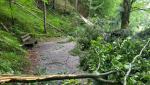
(26, 78)
(134, 59)
(4, 27)
(99, 60)
(98, 65)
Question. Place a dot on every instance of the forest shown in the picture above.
(74, 42)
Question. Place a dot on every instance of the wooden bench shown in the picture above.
(28, 41)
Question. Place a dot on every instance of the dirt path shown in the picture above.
(54, 57)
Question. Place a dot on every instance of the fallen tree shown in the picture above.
(33, 78)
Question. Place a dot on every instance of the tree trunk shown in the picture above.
(32, 78)
(125, 16)
(53, 4)
(76, 5)
(44, 11)
(90, 6)
(65, 6)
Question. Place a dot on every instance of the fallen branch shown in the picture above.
(86, 20)
(29, 79)
(134, 59)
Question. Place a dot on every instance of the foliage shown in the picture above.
(139, 19)
(9, 43)
(85, 35)
(12, 63)
(11, 54)
(29, 18)
(117, 56)
(71, 82)
(102, 8)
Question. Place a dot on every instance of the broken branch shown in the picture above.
(29, 79)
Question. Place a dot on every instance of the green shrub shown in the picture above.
(116, 56)
(85, 35)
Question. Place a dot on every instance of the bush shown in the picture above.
(85, 35)
(116, 56)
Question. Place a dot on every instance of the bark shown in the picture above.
(29, 79)
(53, 4)
(125, 14)
(76, 5)
(65, 6)
(44, 11)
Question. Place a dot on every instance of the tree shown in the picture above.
(44, 12)
(53, 4)
(76, 5)
(125, 15)
(65, 6)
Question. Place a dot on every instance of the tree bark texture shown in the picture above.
(44, 12)
(76, 5)
(32, 78)
(125, 16)
(53, 4)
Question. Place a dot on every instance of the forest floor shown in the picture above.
(53, 56)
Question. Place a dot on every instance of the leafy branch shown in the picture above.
(134, 59)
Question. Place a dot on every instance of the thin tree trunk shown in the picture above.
(44, 10)
(76, 5)
(125, 16)
(90, 6)
(65, 6)
(53, 4)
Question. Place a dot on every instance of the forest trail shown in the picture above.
(53, 56)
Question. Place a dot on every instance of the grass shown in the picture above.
(12, 56)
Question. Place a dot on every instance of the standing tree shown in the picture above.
(53, 4)
(76, 5)
(65, 6)
(44, 12)
(125, 15)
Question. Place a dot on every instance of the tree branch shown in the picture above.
(137, 9)
(29, 79)
(130, 65)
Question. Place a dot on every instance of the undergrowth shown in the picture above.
(107, 56)
(11, 54)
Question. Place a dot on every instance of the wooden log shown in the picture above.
(33, 78)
